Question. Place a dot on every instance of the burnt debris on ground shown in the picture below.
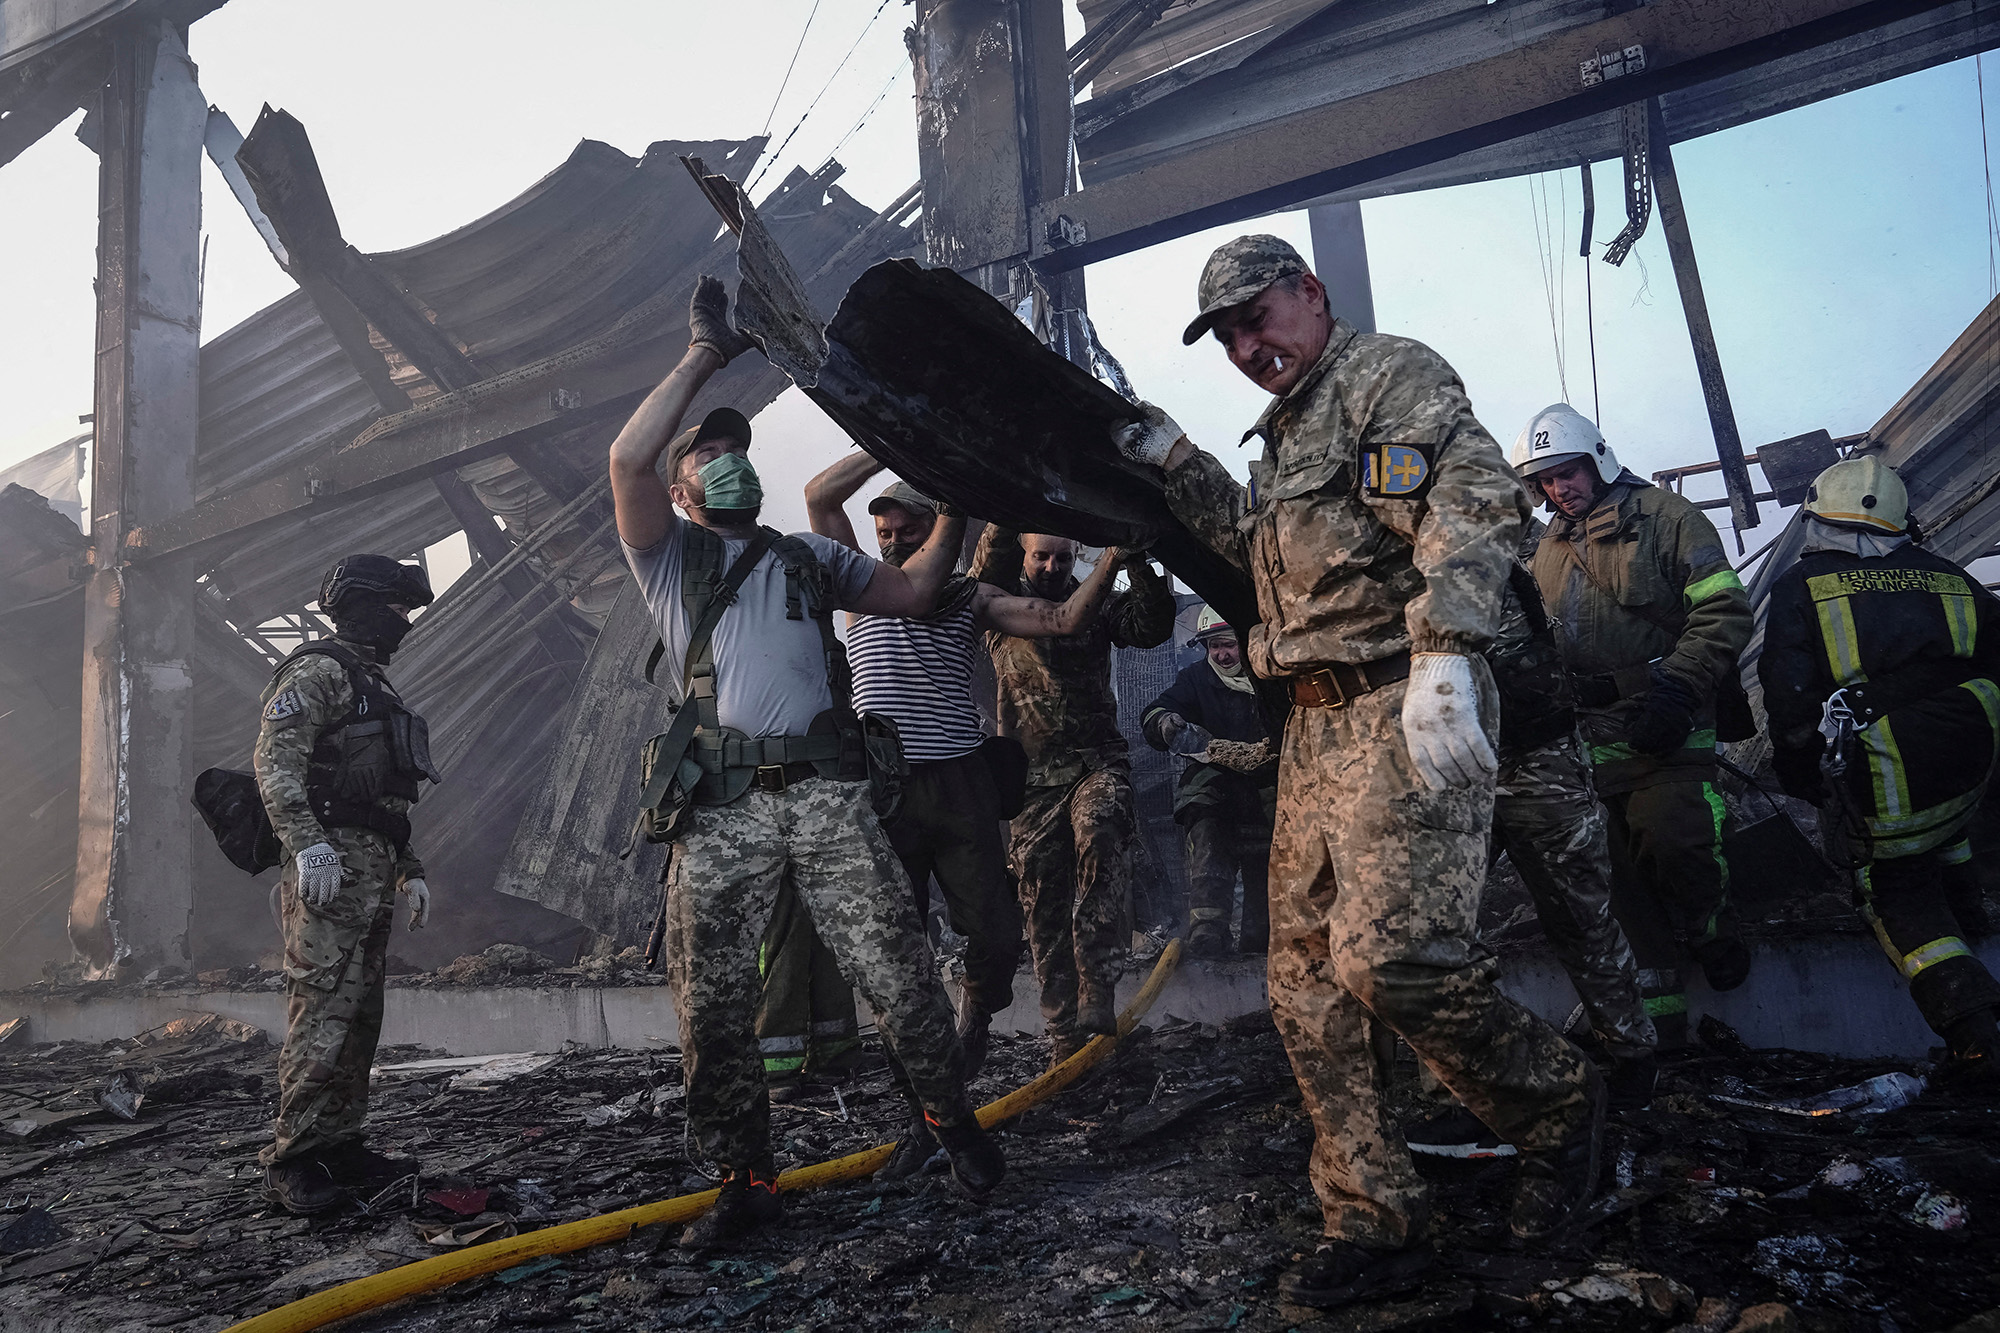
(1166, 1191)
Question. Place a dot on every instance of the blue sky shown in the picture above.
(1844, 245)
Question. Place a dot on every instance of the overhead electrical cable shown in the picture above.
(786, 82)
(866, 28)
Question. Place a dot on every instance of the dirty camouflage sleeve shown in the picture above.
(308, 696)
(1209, 503)
(1469, 529)
(1719, 619)
(1143, 615)
(998, 557)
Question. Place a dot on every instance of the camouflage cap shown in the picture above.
(905, 496)
(724, 423)
(1237, 272)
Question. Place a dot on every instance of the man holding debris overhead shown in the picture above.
(339, 758)
(1378, 527)
(1881, 675)
(1652, 620)
(1072, 843)
(766, 771)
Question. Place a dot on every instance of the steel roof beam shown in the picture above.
(1538, 84)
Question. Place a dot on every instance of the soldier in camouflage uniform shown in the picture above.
(771, 799)
(1072, 843)
(1378, 530)
(338, 762)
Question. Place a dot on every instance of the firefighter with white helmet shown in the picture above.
(1881, 675)
(1652, 620)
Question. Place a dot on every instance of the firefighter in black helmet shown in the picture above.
(339, 758)
(1881, 675)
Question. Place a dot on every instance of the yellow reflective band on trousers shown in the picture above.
(1659, 1006)
(1723, 581)
(1720, 812)
(1958, 853)
(1930, 955)
(1897, 829)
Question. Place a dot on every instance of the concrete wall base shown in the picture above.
(1837, 996)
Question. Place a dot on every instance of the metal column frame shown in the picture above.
(134, 892)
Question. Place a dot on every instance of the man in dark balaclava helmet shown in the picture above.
(339, 761)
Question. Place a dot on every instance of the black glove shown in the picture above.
(1668, 717)
(1799, 773)
(708, 321)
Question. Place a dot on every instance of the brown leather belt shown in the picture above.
(1339, 684)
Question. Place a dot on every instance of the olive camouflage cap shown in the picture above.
(905, 496)
(1237, 272)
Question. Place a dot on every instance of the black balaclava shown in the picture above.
(365, 618)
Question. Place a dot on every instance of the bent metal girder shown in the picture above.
(948, 389)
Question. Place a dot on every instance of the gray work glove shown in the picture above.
(1441, 723)
(420, 902)
(319, 874)
(1188, 738)
(1149, 439)
(708, 321)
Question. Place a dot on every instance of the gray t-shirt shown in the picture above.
(770, 672)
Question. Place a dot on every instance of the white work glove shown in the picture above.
(1441, 723)
(420, 902)
(319, 874)
(1150, 439)
(1189, 738)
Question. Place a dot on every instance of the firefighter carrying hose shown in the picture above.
(1879, 671)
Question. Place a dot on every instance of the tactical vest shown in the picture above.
(377, 752)
(707, 763)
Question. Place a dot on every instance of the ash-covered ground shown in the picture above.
(1166, 1192)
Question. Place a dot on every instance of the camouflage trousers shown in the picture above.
(1375, 884)
(1072, 853)
(335, 958)
(722, 889)
(807, 1014)
(1547, 819)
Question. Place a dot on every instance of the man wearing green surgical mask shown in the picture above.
(771, 804)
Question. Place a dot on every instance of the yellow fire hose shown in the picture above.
(368, 1293)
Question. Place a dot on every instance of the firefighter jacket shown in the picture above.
(1915, 642)
(1642, 580)
(1199, 695)
(1055, 695)
(1381, 518)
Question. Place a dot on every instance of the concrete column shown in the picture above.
(134, 883)
(1340, 258)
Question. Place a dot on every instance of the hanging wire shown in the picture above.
(1986, 149)
(866, 28)
(1538, 212)
(1590, 296)
(786, 82)
(872, 106)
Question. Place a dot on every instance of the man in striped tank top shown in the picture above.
(920, 673)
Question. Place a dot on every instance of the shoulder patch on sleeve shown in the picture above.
(1397, 471)
(285, 707)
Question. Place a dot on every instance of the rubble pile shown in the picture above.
(1164, 1192)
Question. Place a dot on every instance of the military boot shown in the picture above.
(1096, 1009)
(1341, 1273)
(301, 1186)
(355, 1164)
(1973, 1046)
(1208, 939)
(977, 1164)
(749, 1200)
(1556, 1182)
(913, 1151)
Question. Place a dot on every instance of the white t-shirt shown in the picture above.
(770, 672)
